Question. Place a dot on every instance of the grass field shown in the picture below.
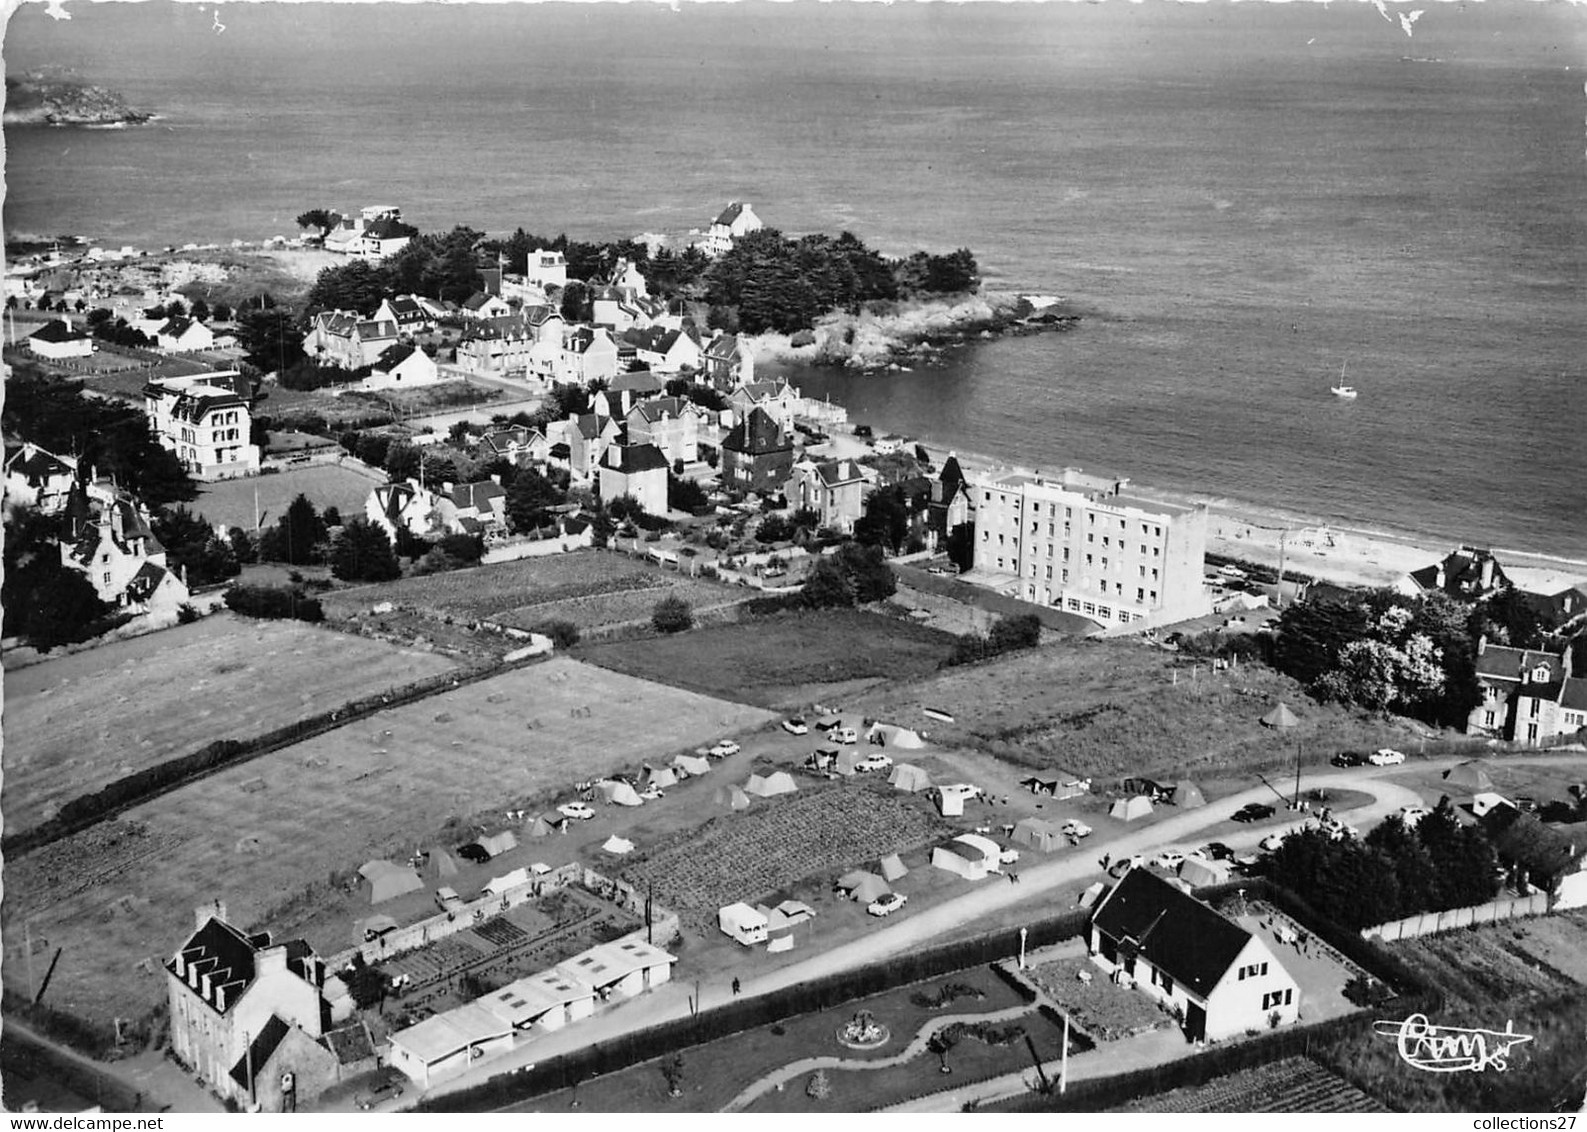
(715, 1073)
(1295, 1084)
(231, 502)
(1106, 708)
(759, 661)
(777, 842)
(259, 835)
(591, 588)
(75, 723)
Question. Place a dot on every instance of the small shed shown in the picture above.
(384, 880)
(660, 777)
(1039, 833)
(911, 778)
(1197, 872)
(1486, 801)
(893, 867)
(1092, 894)
(691, 765)
(1128, 809)
(733, 797)
(960, 860)
(498, 843)
(1187, 795)
(618, 793)
(770, 785)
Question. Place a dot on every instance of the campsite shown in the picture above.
(314, 811)
(79, 721)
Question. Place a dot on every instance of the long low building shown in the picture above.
(445, 1045)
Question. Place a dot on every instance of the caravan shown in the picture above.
(742, 923)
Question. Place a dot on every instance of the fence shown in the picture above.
(534, 548)
(1431, 923)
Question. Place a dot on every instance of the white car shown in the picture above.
(1076, 829)
(1386, 756)
(796, 727)
(843, 735)
(725, 748)
(578, 811)
(651, 793)
(874, 762)
(1272, 841)
(1008, 857)
(1169, 859)
(886, 905)
(1410, 815)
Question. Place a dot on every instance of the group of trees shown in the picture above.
(770, 282)
(1396, 871)
(46, 602)
(1017, 631)
(851, 575)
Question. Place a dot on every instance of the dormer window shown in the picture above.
(1541, 674)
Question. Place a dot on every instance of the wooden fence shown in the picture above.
(1431, 923)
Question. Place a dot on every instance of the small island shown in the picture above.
(37, 100)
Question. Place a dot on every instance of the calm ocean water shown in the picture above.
(1242, 197)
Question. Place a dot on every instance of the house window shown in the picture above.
(1104, 540)
(1088, 560)
(1124, 618)
(1000, 563)
(107, 577)
(1066, 575)
(1143, 571)
(1091, 537)
(1153, 595)
(1531, 728)
(1143, 548)
(1104, 612)
(1535, 705)
(1066, 554)
(1487, 719)
(1050, 530)
(986, 536)
(1157, 532)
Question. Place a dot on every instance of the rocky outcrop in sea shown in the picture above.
(37, 101)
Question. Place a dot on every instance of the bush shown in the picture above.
(278, 603)
(187, 613)
(563, 634)
(672, 615)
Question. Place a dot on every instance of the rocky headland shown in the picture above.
(34, 100)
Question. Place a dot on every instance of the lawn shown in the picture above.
(277, 838)
(1108, 708)
(232, 503)
(75, 723)
(1295, 1084)
(778, 842)
(715, 1073)
(760, 660)
(591, 588)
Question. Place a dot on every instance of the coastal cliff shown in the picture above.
(37, 101)
(898, 335)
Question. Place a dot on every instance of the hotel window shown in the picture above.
(1049, 550)
(1143, 548)
(1154, 575)
(1154, 595)
(1049, 573)
(1104, 563)
(1091, 537)
(1088, 560)
(1124, 618)
(1068, 513)
(1157, 532)
(1050, 531)
(1121, 524)
(986, 497)
(1074, 603)
(1143, 571)
(1104, 611)
(1089, 608)
(1535, 705)
(1066, 554)
(986, 536)
(1000, 563)
(1091, 518)
(1000, 538)
(1065, 575)
(1104, 540)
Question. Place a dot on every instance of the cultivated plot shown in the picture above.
(231, 503)
(75, 723)
(261, 834)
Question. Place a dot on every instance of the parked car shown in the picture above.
(578, 811)
(1386, 756)
(1272, 841)
(844, 735)
(652, 792)
(725, 748)
(874, 762)
(1349, 758)
(475, 852)
(963, 789)
(887, 905)
(448, 899)
(1008, 857)
(384, 1090)
(1169, 859)
(1125, 864)
(1075, 829)
(1216, 851)
(796, 727)
(1253, 811)
(1410, 815)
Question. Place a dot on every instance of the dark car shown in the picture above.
(1218, 851)
(1254, 811)
(474, 851)
(384, 1089)
(1349, 758)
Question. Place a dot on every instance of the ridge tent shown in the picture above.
(498, 843)
(618, 793)
(950, 803)
(442, 864)
(537, 828)
(908, 777)
(498, 885)
(618, 845)
(871, 888)
(795, 911)
(1280, 716)
(691, 765)
(1128, 809)
(887, 735)
(1187, 794)
(893, 868)
(1470, 775)
(1040, 785)
(767, 786)
(848, 762)
(372, 928)
(851, 880)
(733, 797)
(1196, 872)
(660, 776)
(388, 881)
(1039, 833)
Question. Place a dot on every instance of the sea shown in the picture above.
(1244, 201)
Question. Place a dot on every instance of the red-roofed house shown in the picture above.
(1220, 979)
(639, 470)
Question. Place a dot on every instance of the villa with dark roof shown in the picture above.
(639, 470)
(180, 335)
(342, 338)
(757, 455)
(206, 419)
(59, 339)
(251, 1017)
(108, 539)
(728, 363)
(738, 219)
(402, 366)
(833, 489)
(672, 424)
(1218, 978)
(1529, 696)
(39, 479)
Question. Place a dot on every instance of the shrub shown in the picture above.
(274, 603)
(187, 613)
(672, 615)
(563, 634)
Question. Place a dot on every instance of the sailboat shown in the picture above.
(1343, 391)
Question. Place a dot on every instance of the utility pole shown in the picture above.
(1063, 1064)
(1283, 540)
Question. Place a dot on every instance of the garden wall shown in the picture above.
(1430, 923)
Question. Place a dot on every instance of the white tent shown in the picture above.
(1092, 894)
(893, 867)
(908, 777)
(619, 793)
(1197, 872)
(498, 885)
(691, 765)
(387, 881)
(950, 803)
(537, 828)
(991, 852)
(795, 911)
(1039, 833)
(660, 776)
(498, 843)
(733, 797)
(851, 880)
(618, 845)
(1187, 795)
(892, 736)
(1128, 809)
(767, 786)
(959, 860)
(848, 761)
(871, 888)
(442, 864)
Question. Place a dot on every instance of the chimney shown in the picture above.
(447, 486)
(270, 960)
(1487, 571)
(495, 478)
(1482, 641)
(1440, 580)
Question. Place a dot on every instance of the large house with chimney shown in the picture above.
(342, 338)
(108, 539)
(403, 366)
(261, 1023)
(637, 470)
(457, 509)
(60, 339)
(39, 479)
(1529, 696)
(672, 424)
(728, 363)
(757, 455)
(1217, 978)
(207, 421)
(833, 489)
(734, 222)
